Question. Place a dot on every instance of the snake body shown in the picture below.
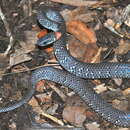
(75, 70)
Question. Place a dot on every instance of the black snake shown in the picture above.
(76, 70)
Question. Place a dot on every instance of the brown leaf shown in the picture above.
(126, 91)
(78, 2)
(77, 49)
(18, 57)
(91, 54)
(76, 107)
(80, 13)
(30, 40)
(33, 102)
(3, 64)
(81, 32)
(93, 126)
(100, 88)
(74, 114)
(123, 48)
(85, 35)
(121, 105)
(40, 86)
(83, 52)
(44, 97)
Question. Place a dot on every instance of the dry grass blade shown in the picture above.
(9, 34)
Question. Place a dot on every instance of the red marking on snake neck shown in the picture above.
(58, 35)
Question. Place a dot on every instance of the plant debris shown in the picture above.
(98, 31)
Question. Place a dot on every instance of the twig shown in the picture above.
(23, 71)
(56, 120)
(8, 33)
(29, 8)
(95, 58)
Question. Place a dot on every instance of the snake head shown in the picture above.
(47, 39)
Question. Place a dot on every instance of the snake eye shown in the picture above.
(46, 40)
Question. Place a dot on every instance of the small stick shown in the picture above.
(56, 120)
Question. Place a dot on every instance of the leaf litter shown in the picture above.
(86, 43)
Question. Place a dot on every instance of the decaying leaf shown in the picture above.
(78, 2)
(123, 48)
(80, 13)
(30, 40)
(127, 22)
(121, 105)
(81, 51)
(74, 114)
(18, 57)
(76, 111)
(33, 102)
(93, 126)
(81, 32)
(44, 97)
(85, 35)
(100, 88)
(126, 91)
(118, 81)
(40, 86)
(123, 129)
(77, 49)
(3, 64)
(28, 45)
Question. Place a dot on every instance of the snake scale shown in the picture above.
(75, 71)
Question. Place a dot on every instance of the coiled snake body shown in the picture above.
(51, 19)
(76, 70)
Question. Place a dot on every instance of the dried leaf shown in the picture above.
(33, 102)
(78, 2)
(121, 105)
(127, 22)
(93, 126)
(77, 49)
(83, 52)
(100, 88)
(85, 35)
(123, 47)
(18, 57)
(81, 32)
(3, 64)
(126, 91)
(52, 110)
(74, 114)
(80, 13)
(123, 129)
(40, 86)
(30, 40)
(44, 97)
(118, 81)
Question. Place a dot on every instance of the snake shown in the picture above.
(75, 73)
